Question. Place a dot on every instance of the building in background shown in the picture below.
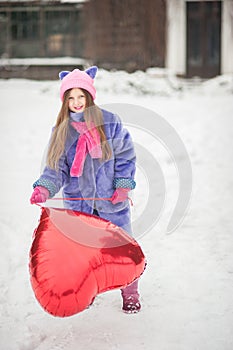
(37, 35)
(43, 28)
(190, 38)
(199, 37)
(125, 34)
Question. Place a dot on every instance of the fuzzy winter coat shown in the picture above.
(99, 178)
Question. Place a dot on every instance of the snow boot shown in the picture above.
(130, 296)
(131, 305)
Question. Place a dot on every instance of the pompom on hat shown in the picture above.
(78, 79)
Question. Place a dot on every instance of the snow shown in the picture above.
(186, 290)
(45, 61)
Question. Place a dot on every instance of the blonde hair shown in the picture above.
(92, 114)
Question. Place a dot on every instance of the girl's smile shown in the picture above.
(78, 108)
(77, 100)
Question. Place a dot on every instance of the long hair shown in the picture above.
(92, 114)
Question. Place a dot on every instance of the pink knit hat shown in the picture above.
(78, 79)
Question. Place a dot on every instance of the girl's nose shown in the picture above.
(77, 101)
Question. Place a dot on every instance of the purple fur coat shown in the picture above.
(99, 178)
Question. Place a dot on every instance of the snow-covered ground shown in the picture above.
(186, 290)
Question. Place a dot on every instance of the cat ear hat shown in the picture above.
(78, 79)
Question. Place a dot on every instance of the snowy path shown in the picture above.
(187, 287)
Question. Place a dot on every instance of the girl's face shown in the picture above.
(76, 100)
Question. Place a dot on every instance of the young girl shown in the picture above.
(90, 155)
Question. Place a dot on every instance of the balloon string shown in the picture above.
(88, 198)
(81, 199)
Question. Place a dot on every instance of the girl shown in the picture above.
(90, 155)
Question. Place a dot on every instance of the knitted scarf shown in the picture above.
(88, 142)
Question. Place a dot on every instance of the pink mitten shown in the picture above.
(39, 195)
(120, 195)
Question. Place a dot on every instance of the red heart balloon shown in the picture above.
(75, 256)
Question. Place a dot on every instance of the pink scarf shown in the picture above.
(88, 142)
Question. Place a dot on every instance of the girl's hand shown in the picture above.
(39, 195)
(120, 195)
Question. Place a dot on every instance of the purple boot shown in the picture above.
(130, 296)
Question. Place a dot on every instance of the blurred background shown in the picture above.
(189, 38)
